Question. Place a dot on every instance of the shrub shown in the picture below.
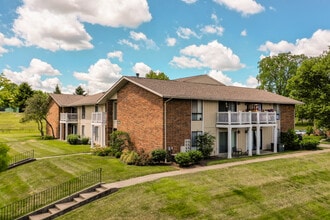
(84, 140)
(309, 130)
(309, 144)
(73, 139)
(143, 158)
(119, 140)
(158, 155)
(196, 156)
(100, 151)
(47, 137)
(183, 159)
(290, 140)
(4, 158)
(205, 144)
(129, 157)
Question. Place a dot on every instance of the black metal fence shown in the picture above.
(19, 158)
(50, 195)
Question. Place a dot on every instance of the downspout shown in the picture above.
(165, 125)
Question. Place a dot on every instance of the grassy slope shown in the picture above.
(281, 189)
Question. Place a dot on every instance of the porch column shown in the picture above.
(275, 139)
(92, 137)
(258, 140)
(229, 143)
(66, 131)
(103, 135)
(61, 135)
(250, 141)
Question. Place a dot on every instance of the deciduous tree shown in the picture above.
(7, 92)
(154, 75)
(37, 110)
(311, 85)
(275, 71)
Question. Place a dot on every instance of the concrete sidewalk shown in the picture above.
(156, 176)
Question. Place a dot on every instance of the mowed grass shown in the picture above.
(21, 137)
(37, 176)
(61, 163)
(296, 188)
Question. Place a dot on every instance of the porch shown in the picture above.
(68, 120)
(98, 123)
(252, 124)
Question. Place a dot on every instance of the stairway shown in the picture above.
(68, 204)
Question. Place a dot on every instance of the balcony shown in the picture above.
(246, 118)
(99, 117)
(69, 118)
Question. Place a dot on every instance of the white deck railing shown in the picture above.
(69, 117)
(241, 118)
(99, 117)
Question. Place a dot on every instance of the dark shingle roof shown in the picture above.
(66, 100)
(188, 90)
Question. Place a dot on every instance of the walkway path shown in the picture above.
(152, 177)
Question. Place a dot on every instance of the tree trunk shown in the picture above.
(51, 127)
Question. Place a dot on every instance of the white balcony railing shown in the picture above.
(69, 117)
(241, 118)
(99, 117)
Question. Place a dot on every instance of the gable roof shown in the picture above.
(67, 100)
(206, 79)
(191, 90)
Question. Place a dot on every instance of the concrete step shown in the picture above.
(88, 195)
(65, 205)
(78, 199)
(53, 210)
(40, 216)
(101, 189)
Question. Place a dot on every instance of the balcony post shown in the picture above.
(275, 139)
(229, 143)
(66, 130)
(61, 135)
(229, 117)
(250, 141)
(258, 140)
(92, 137)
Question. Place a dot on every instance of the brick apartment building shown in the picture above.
(169, 114)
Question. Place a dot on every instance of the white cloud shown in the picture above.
(213, 29)
(244, 33)
(214, 55)
(186, 33)
(129, 43)
(245, 7)
(189, 1)
(117, 54)
(139, 36)
(313, 46)
(170, 41)
(214, 17)
(141, 68)
(35, 75)
(100, 76)
(251, 82)
(13, 41)
(59, 25)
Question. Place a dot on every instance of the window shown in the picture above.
(114, 110)
(194, 135)
(83, 112)
(197, 110)
(83, 130)
(227, 106)
(96, 108)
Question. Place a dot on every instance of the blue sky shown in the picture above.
(94, 43)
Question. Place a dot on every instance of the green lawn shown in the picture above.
(296, 188)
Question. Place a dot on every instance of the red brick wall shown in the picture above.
(54, 119)
(178, 123)
(140, 113)
(287, 117)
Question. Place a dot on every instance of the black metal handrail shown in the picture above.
(21, 157)
(38, 200)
